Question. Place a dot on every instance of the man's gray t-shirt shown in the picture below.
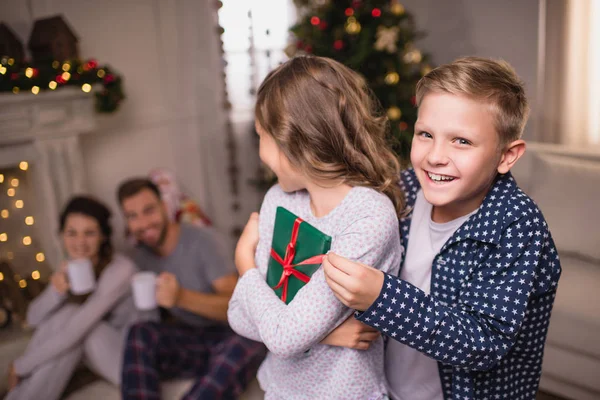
(198, 260)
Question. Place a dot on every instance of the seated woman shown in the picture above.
(71, 328)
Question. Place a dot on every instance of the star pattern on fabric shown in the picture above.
(492, 289)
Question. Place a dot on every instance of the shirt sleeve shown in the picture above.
(215, 263)
(112, 286)
(289, 330)
(44, 305)
(482, 326)
(237, 311)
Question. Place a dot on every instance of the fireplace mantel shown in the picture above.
(25, 117)
(45, 131)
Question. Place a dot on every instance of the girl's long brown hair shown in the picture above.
(330, 126)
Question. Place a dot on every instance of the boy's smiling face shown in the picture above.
(456, 153)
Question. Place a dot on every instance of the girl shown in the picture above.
(324, 137)
(71, 327)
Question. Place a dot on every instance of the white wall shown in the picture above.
(506, 29)
(167, 51)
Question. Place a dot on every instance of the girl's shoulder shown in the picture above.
(368, 212)
(368, 202)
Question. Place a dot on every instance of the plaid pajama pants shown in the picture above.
(222, 362)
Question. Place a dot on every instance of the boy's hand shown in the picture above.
(246, 246)
(167, 290)
(354, 284)
(352, 334)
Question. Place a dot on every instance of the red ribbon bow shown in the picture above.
(286, 262)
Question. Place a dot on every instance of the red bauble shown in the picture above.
(376, 13)
(92, 64)
(403, 126)
(323, 25)
(308, 48)
(315, 20)
(356, 4)
(59, 79)
(338, 44)
(413, 100)
(349, 12)
(109, 79)
(14, 76)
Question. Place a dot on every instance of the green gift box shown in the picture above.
(297, 252)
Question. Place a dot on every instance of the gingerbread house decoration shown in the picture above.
(52, 39)
(10, 45)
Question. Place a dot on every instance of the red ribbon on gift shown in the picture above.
(286, 262)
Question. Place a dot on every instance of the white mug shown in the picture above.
(82, 279)
(143, 285)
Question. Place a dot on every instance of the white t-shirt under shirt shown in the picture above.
(410, 374)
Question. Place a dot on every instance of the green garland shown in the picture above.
(22, 78)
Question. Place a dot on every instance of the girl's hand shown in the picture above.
(59, 279)
(246, 246)
(354, 284)
(13, 378)
(352, 334)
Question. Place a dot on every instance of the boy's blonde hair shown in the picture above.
(329, 125)
(491, 81)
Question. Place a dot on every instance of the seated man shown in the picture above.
(194, 285)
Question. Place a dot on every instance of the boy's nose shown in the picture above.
(437, 156)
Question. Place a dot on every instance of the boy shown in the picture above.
(470, 309)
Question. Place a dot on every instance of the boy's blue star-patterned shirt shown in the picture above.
(493, 285)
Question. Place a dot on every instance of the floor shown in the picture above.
(11, 348)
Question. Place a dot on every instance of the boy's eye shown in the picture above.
(424, 134)
(462, 141)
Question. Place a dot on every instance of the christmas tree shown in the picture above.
(375, 38)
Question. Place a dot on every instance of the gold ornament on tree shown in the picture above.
(394, 113)
(352, 26)
(412, 56)
(387, 38)
(392, 78)
(290, 50)
(396, 8)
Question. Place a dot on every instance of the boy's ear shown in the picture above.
(511, 153)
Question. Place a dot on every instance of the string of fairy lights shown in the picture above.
(12, 186)
(20, 78)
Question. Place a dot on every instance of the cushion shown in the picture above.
(567, 191)
(575, 321)
(573, 369)
(521, 171)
